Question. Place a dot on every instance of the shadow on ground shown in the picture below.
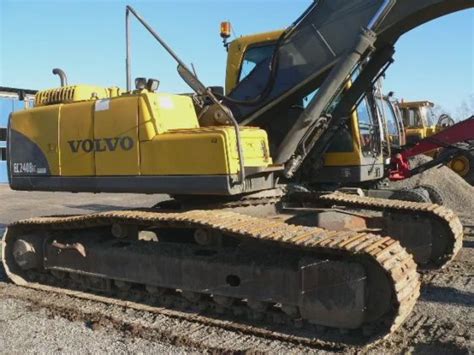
(96, 207)
(439, 348)
(450, 295)
(468, 244)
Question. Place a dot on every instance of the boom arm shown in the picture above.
(317, 40)
(319, 51)
(307, 51)
(460, 132)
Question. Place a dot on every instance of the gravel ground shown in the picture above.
(32, 321)
(456, 193)
(52, 334)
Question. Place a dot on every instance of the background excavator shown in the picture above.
(420, 121)
(420, 124)
(233, 238)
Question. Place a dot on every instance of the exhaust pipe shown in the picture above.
(62, 76)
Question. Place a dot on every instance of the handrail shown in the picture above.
(188, 76)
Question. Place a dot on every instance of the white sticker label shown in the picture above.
(102, 105)
(166, 102)
(24, 168)
(27, 168)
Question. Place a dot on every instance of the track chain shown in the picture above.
(398, 265)
(428, 210)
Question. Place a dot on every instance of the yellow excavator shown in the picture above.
(420, 123)
(238, 234)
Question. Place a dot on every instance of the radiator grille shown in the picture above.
(74, 93)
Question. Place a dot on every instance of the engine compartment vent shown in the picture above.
(74, 93)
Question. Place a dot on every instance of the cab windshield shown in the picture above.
(254, 56)
(411, 117)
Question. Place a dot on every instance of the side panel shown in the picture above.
(203, 151)
(254, 145)
(147, 122)
(76, 129)
(174, 112)
(187, 153)
(34, 141)
(116, 137)
(159, 113)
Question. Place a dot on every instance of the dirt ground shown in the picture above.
(34, 321)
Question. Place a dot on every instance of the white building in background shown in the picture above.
(11, 100)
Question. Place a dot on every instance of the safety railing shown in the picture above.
(189, 77)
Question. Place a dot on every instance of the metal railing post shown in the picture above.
(127, 45)
(188, 77)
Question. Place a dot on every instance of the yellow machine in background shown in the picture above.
(420, 123)
(418, 120)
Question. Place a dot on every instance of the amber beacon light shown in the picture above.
(225, 29)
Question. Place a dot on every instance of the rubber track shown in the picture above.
(429, 210)
(386, 252)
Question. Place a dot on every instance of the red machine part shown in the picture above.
(460, 132)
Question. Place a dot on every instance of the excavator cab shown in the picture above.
(355, 154)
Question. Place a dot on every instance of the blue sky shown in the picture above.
(86, 39)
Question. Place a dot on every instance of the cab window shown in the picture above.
(342, 142)
(367, 128)
(390, 118)
(411, 118)
(254, 56)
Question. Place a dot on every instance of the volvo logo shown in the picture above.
(101, 144)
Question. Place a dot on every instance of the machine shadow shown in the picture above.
(448, 295)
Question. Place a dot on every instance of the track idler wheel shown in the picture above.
(26, 254)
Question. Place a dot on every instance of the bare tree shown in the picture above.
(438, 110)
(466, 109)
